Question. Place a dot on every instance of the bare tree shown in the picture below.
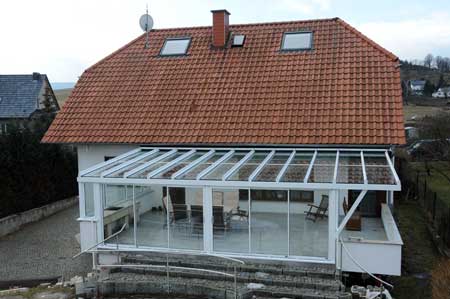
(428, 60)
(442, 63)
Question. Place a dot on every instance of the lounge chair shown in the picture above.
(319, 211)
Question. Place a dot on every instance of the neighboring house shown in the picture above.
(25, 97)
(443, 92)
(417, 87)
(219, 140)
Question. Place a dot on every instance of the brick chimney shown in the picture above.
(220, 27)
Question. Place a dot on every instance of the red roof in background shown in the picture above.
(346, 90)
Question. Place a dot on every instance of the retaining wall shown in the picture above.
(14, 222)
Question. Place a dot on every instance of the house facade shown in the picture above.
(232, 140)
(442, 93)
(417, 87)
(25, 97)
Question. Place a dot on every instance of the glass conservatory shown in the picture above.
(266, 203)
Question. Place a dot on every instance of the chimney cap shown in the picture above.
(220, 10)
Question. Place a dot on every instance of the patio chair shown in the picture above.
(354, 223)
(197, 219)
(221, 218)
(319, 211)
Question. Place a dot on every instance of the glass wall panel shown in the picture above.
(308, 233)
(230, 220)
(117, 211)
(185, 206)
(151, 217)
(268, 222)
(89, 210)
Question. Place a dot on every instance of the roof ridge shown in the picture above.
(367, 39)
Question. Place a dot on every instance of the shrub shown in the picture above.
(33, 174)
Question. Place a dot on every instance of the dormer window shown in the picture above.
(238, 40)
(175, 46)
(295, 41)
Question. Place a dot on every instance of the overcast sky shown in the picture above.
(63, 37)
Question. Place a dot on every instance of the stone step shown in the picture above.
(251, 266)
(245, 277)
(121, 283)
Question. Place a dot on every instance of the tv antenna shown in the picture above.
(146, 23)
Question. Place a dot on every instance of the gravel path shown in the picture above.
(44, 249)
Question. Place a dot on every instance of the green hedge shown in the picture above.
(33, 174)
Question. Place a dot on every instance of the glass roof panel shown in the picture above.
(120, 173)
(144, 172)
(270, 171)
(298, 167)
(350, 168)
(246, 169)
(192, 174)
(323, 168)
(97, 172)
(219, 171)
(168, 173)
(378, 170)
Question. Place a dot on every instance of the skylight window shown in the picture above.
(238, 40)
(175, 46)
(297, 41)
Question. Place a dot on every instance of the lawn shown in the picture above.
(437, 180)
(419, 255)
(413, 112)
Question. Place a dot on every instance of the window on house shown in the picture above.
(175, 46)
(301, 196)
(238, 40)
(297, 41)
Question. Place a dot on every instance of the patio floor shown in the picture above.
(269, 234)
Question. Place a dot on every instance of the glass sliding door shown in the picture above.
(151, 218)
(185, 208)
(269, 222)
(230, 220)
(308, 236)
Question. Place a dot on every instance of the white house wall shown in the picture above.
(89, 155)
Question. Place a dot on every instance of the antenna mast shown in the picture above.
(146, 28)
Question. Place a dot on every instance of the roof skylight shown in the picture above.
(175, 46)
(297, 41)
(238, 40)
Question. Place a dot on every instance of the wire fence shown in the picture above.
(415, 186)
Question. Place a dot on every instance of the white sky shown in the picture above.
(63, 37)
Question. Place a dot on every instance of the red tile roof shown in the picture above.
(346, 90)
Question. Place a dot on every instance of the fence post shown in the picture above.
(425, 193)
(434, 206)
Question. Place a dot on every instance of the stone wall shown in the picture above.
(14, 222)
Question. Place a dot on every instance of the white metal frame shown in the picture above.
(277, 182)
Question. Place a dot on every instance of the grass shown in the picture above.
(413, 112)
(34, 292)
(436, 181)
(62, 95)
(419, 256)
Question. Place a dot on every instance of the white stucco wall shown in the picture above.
(89, 155)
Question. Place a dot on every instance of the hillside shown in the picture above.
(62, 95)
(418, 72)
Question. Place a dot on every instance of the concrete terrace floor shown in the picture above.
(44, 249)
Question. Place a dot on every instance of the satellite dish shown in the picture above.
(146, 22)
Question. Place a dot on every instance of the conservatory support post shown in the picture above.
(333, 204)
(207, 220)
(98, 208)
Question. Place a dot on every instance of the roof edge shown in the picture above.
(389, 54)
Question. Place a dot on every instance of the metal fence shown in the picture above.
(437, 210)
